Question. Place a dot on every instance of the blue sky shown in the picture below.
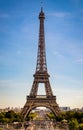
(19, 31)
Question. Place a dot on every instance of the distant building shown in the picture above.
(4, 109)
(77, 109)
(16, 109)
(65, 108)
(82, 109)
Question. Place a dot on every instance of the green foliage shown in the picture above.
(74, 119)
(51, 115)
(31, 116)
(5, 120)
(10, 116)
(2, 115)
(73, 124)
(81, 127)
(81, 120)
(59, 118)
(1, 128)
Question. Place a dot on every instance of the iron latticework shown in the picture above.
(41, 76)
(41, 57)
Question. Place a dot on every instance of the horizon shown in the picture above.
(19, 34)
(41, 108)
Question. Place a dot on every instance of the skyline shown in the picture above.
(19, 34)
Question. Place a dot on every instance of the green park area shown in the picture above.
(74, 119)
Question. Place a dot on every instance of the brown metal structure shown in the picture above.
(41, 76)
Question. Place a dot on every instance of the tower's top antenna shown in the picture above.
(42, 4)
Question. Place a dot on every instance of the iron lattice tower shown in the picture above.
(41, 76)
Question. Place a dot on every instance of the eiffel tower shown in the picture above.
(41, 76)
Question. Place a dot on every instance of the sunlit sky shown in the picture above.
(19, 31)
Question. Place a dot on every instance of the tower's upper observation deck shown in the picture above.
(41, 15)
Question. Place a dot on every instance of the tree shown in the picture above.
(81, 127)
(5, 120)
(1, 129)
(73, 124)
(31, 116)
(51, 115)
(10, 116)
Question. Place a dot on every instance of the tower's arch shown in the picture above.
(32, 103)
